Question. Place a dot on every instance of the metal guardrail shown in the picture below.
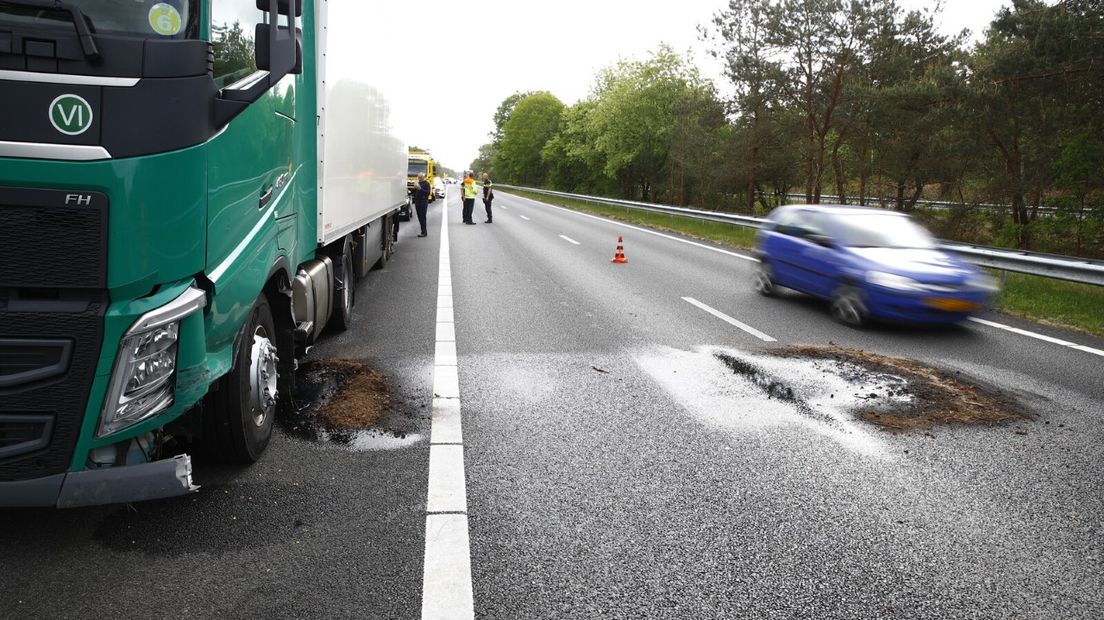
(938, 205)
(1073, 269)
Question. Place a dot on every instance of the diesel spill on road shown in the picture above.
(344, 402)
(908, 394)
(841, 393)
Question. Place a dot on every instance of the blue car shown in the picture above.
(869, 264)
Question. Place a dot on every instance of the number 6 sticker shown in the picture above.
(164, 19)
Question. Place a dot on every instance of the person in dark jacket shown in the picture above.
(488, 195)
(421, 201)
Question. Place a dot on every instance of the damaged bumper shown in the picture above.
(94, 487)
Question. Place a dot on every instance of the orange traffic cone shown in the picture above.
(619, 256)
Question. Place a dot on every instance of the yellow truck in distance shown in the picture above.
(418, 162)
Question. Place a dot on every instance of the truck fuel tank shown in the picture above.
(312, 297)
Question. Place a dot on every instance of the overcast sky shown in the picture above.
(451, 63)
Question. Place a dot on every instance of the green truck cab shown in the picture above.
(189, 192)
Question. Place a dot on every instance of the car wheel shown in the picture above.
(764, 280)
(849, 307)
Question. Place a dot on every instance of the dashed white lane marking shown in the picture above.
(644, 230)
(525, 218)
(731, 321)
(446, 577)
(1043, 337)
(448, 569)
(569, 240)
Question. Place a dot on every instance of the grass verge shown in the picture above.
(1048, 301)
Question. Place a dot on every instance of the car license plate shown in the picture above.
(952, 305)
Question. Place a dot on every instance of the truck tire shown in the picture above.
(344, 290)
(360, 254)
(388, 242)
(239, 415)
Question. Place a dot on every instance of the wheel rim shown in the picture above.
(346, 285)
(763, 282)
(262, 378)
(849, 308)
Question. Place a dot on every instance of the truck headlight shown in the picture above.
(893, 281)
(143, 381)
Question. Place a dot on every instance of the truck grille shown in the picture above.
(59, 238)
(41, 413)
(52, 302)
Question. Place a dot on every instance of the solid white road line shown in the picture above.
(731, 321)
(644, 230)
(446, 577)
(525, 218)
(1043, 337)
(569, 240)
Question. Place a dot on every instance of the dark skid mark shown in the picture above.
(772, 387)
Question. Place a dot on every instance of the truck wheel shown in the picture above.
(344, 292)
(388, 242)
(238, 416)
(360, 256)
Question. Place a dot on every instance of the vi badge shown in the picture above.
(71, 114)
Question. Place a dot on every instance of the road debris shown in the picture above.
(344, 402)
(934, 396)
(844, 394)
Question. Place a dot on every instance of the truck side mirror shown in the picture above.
(283, 7)
(275, 44)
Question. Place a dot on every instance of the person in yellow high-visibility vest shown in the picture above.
(469, 191)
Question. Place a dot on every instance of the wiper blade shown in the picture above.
(88, 46)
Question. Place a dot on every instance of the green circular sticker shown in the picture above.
(164, 19)
(71, 114)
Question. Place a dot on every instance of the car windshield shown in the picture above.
(417, 167)
(881, 230)
(162, 19)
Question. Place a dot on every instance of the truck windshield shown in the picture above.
(161, 19)
(417, 167)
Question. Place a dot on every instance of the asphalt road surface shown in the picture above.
(614, 466)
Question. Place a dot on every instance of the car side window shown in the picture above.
(233, 24)
(786, 224)
(812, 223)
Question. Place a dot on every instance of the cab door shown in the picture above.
(250, 160)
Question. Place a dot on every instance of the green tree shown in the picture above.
(573, 161)
(502, 114)
(1036, 83)
(534, 120)
(635, 122)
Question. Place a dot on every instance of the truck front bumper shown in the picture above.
(93, 487)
